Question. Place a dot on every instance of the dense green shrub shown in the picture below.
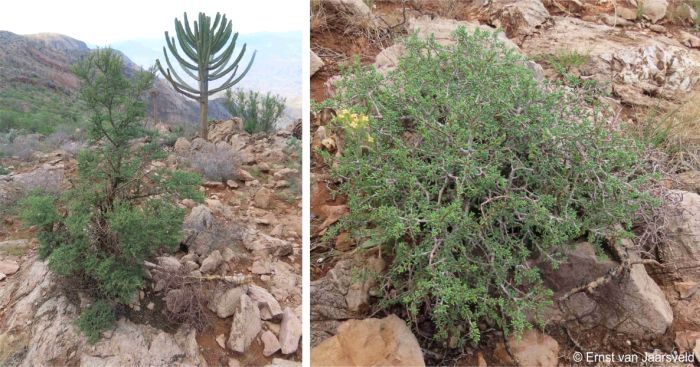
(464, 170)
(95, 319)
(259, 112)
(118, 213)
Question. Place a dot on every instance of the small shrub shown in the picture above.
(259, 112)
(95, 319)
(117, 214)
(464, 169)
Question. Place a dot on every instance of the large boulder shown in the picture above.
(246, 325)
(355, 8)
(370, 342)
(199, 219)
(222, 131)
(631, 303)
(225, 303)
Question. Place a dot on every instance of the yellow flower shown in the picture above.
(370, 139)
(365, 118)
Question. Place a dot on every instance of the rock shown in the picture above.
(228, 254)
(285, 172)
(243, 175)
(261, 244)
(212, 262)
(8, 267)
(685, 289)
(344, 242)
(520, 18)
(189, 257)
(221, 341)
(231, 184)
(232, 362)
(182, 145)
(680, 253)
(290, 332)
(331, 214)
(285, 283)
(169, 263)
(270, 342)
(370, 342)
(225, 304)
(151, 306)
(690, 40)
(279, 362)
(269, 307)
(263, 198)
(658, 28)
(214, 184)
(261, 266)
(316, 63)
(191, 265)
(632, 303)
(534, 349)
(245, 326)
(654, 10)
(222, 131)
(2, 277)
(356, 8)
(627, 13)
(686, 12)
(199, 219)
(614, 21)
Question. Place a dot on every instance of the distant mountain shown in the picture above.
(277, 66)
(43, 61)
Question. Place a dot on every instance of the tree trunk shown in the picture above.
(203, 119)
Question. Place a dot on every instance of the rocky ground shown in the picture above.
(243, 246)
(644, 58)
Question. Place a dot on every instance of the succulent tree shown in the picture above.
(207, 49)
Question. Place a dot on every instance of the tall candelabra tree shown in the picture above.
(207, 49)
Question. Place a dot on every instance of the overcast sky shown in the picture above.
(103, 22)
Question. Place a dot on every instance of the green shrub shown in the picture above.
(117, 214)
(259, 112)
(95, 319)
(464, 169)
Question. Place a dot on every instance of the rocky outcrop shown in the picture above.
(636, 65)
(370, 342)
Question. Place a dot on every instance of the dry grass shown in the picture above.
(680, 130)
(12, 347)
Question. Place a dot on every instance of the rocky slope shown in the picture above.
(43, 61)
(643, 57)
(243, 243)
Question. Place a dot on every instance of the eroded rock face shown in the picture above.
(370, 342)
(290, 332)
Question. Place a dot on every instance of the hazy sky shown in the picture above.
(104, 22)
